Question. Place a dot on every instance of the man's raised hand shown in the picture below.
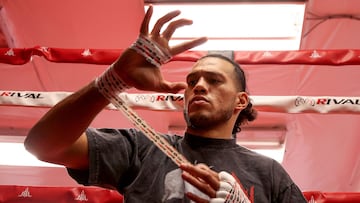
(139, 66)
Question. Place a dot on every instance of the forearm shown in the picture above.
(57, 133)
(63, 124)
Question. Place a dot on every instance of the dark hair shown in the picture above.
(248, 113)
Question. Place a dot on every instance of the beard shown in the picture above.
(205, 121)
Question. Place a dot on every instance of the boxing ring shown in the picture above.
(308, 100)
(293, 105)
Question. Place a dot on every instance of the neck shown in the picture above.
(213, 132)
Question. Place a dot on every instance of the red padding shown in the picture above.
(332, 197)
(17, 56)
(28, 194)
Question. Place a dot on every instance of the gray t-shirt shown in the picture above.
(126, 160)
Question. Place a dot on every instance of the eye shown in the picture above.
(214, 81)
(191, 82)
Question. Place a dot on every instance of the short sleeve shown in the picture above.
(111, 153)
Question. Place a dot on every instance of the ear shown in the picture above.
(242, 100)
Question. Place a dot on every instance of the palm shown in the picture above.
(141, 74)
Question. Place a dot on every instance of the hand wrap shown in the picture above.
(110, 83)
(151, 51)
(229, 191)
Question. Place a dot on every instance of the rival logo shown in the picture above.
(303, 101)
(159, 98)
(169, 98)
(325, 101)
(22, 95)
(328, 101)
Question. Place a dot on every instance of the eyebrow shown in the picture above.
(206, 73)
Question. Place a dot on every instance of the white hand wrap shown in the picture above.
(151, 51)
(110, 84)
(230, 191)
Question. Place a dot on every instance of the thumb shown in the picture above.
(173, 87)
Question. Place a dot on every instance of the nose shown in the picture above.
(201, 86)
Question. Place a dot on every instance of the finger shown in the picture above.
(202, 177)
(196, 198)
(187, 45)
(159, 23)
(203, 172)
(169, 31)
(145, 23)
(203, 166)
(199, 184)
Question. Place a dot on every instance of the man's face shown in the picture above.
(210, 97)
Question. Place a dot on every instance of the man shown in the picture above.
(216, 104)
